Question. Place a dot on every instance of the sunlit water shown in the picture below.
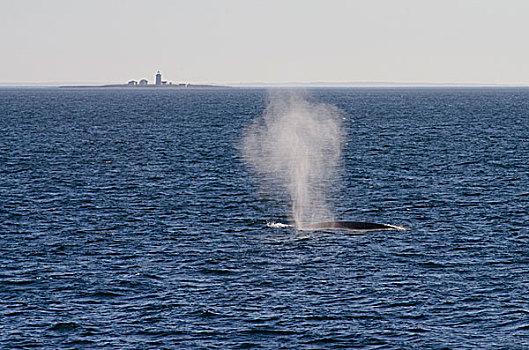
(129, 220)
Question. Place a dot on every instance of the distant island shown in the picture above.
(144, 83)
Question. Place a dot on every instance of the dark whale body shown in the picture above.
(350, 225)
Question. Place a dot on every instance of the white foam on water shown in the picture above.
(277, 224)
(398, 228)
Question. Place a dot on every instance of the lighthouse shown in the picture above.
(158, 78)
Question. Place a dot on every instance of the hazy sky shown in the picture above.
(461, 41)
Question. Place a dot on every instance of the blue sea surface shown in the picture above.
(128, 220)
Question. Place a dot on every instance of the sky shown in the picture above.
(269, 41)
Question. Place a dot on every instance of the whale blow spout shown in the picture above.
(351, 226)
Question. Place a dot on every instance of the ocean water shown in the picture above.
(128, 220)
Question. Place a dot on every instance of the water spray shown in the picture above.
(298, 143)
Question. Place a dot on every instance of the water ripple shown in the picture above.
(128, 220)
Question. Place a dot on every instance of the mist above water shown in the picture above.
(297, 144)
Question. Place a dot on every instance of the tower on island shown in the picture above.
(158, 78)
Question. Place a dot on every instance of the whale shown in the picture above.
(350, 226)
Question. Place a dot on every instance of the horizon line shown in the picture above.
(289, 84)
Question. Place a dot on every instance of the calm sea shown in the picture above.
(128, 220)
